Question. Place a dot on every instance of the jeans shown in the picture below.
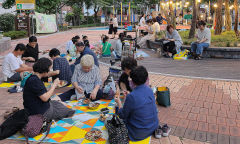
(198, 47)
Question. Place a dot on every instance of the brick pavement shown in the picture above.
(201, 110)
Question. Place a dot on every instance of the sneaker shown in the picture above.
(166, 130)
(158, 132)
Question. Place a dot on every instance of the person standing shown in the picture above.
(188, 17)
(115, 26)
(203, 40)
(110, 31)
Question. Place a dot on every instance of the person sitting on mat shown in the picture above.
(61, 68)
(86, 81)
(106, 47)
(124, 81)
(139, 111)
(13, 66)
(36, 98)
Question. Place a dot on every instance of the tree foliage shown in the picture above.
(6, 22)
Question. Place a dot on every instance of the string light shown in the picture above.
(215, 5)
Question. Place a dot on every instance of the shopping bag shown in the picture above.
(163, 96)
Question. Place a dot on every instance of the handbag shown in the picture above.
(13, 123)
(109, 88)
(163, 96)
(117, 131)
(35, 126)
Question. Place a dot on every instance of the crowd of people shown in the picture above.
(171, 40)
(81, 69)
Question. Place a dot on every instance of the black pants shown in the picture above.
(170, 47)
(67, 95)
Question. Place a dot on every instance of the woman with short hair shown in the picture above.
(36, 98)
(86, 81)
(173, 41)
(139, 111)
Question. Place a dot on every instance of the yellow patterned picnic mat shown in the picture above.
(73, 130)
(7, 85)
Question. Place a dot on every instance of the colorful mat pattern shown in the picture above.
(73, 130)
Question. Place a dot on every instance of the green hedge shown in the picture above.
(7, 22)
(15, 34)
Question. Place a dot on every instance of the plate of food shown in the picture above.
(93, 135)
(86, 101)
(62, 83)
(102, 117)
(93, 105)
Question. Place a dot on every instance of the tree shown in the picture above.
(194, 20)
(236, 17)
(172, 16)
(219, 22)
(228, 22)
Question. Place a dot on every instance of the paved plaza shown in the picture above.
(202, 111)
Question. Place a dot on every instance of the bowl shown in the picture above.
(86, 101)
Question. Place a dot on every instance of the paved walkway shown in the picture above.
(201, 110)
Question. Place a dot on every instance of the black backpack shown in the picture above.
(13, 124)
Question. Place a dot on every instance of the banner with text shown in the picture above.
(46, 23)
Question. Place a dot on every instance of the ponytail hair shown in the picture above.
(105, 39)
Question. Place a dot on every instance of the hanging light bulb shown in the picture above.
(215, 5)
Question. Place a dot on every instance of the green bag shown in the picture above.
(163, 96)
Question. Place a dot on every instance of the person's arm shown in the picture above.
(28, 58)
(46, 96)
(124, 111)
(23, 68)
(207, 37)
(74, 80)
(97, 84)
(53, 73)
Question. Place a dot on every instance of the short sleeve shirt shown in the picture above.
(106, 48)
(31, 52)
(10, 64)
(62, 65)
(33, 89)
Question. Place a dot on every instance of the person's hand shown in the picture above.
(117, 95)
(31, 59)
(79, 89)
(93, 95)
(56, 82)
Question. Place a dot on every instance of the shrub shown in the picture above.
(228, 44)
(7, 22)
(15, 34)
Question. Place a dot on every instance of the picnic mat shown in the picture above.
(141, 53)
(7, 85)
(73, 130)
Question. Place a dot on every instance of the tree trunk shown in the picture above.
(228, 22)
(172, 15)
(219, 22)
(194, 20)
(236, 17)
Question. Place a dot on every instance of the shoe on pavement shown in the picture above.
(166, 130)
(158, 132)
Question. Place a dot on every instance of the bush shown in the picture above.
(7, 22)
(15, 34)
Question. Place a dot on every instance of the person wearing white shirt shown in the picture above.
(13, 65)
(142, 21)
(70, 43)
(115, 25)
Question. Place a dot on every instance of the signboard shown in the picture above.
(25, 4)
(46, 23)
